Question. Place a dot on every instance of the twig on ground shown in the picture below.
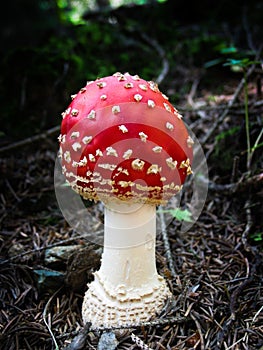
(166, 243)
(233, 301)
(249, 224)
(220, 119)
(30, 140)
(199, 329)
(153, 323)
(222, 106)
(139, 342)
(45, 320)
(161, 53)
(241, 186)
(192, 92)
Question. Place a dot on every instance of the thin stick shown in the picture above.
(45, 321)
(199, 331)
(247, 123)
(256, 144)
(220, 119)
(139, 342)
(161, 53)
(30, 140)
(167, 244)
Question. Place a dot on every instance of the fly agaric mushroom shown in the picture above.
(122, 142)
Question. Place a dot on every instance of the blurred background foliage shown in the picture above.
(50, 48)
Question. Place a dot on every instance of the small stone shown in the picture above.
(48, 281)
(81, 264)
(56, 255)
(108, 341)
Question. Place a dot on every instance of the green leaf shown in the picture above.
(257, 237)
(229, 132)
(230, 49)
(233, 62)
(180, 214)
(65, 184)
(213, 62)
(244, 62)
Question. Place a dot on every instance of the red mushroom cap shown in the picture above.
(122, 138)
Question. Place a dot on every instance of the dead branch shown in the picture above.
(167, 245)
(234, 301)
(45, 318)
(209, 108)
(165, 63)
(230, 104)
(249, 224)
(199, 329)
(30, 140)
(246, 183)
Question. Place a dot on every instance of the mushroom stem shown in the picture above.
(129, 243)
(127, 288)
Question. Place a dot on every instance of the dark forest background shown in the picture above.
(48, 50)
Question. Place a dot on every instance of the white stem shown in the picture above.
(129, 245)
(127, 289)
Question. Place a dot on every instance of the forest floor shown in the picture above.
(214, 269)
